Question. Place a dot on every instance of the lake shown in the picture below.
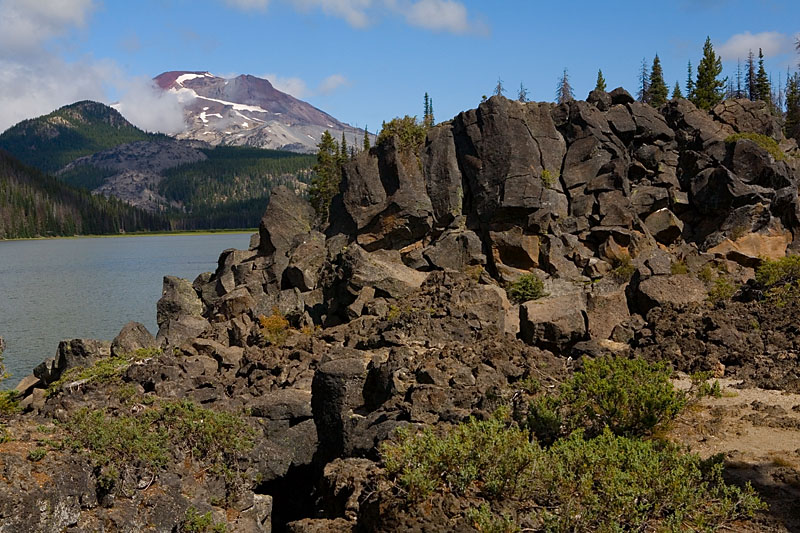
(57, 289)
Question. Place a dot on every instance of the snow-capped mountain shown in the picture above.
(249, 111)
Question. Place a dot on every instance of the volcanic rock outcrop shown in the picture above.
(327, 338)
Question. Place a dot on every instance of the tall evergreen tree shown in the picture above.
(366, 140)
(657, 91)
(427, 116)
(763, 86)
(644, 82)
(601, 81)
(708, 87)
(690, 82)
(792, 123)
(564, 91)
(522, 94)
(739, 87)
(327, 175)
(750, 77)
(343, 154)
(676, 91)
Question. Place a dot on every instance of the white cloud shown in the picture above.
(152, 109)
(772, 43)
(331, 83)
(294, 86)
(248, 5)
(436, 15)
(24, 25)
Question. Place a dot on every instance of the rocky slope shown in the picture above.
(249, 111)
(323, 341)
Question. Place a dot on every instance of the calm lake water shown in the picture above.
(58, 289)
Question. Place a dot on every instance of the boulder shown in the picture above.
(71, 354)
(674, 290)
(455, 250)
(483, 306)
(514, 248)
(751, 249)
(664, 226)
(178, 300)
(287, 217)
(554, 323)
(444, 183)
(133, 336)
(384, 197)
(336, 393)
(382, 270)
(621, 96)
(599, 98)
(606, 308)
(305, 263)
(744, 115)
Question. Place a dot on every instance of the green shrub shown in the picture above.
(274, 328)
(722, 290)
(780, 279)
(549, 178)
(678, 267)
(145, 439)
(527, 287)
(105, 370)
(37, 454)
(767, 143)
(194, 522)
(609, 483)
(410, 133)
(9, 402)
(629, 396)
(623, 269)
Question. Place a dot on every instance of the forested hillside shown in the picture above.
(52, 141)
(231, 188)
(33, 204)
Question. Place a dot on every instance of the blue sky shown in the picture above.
(365, 61)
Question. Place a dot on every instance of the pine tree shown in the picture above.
(499, 89)
(601, 82)
(327, 175)
(763, 87)
(657, 90)
(343, 154)
(690, 82)
(644, 82)
(708, 88)
(676, 91)
(564, 91)
(739, 86)
(431, 120)
(366, 140)
(427, 116)
(750, 77)
(792, 124)
(522, 94)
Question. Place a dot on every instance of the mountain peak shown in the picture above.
(249, 111)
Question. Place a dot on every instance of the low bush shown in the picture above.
(623, 269)
(527, 287)
(629, 396)
(767, 143)
(780, 279)
(274, 328)
(121, 442)
(722, 290)
(609, 483)
(9, 402)
(105, 370)
(409, 132)
(194, 522)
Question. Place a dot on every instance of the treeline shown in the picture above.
(52, 141)
(704, 86)
(233, 174)
(33, 204)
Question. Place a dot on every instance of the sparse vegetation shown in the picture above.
(623, 269)
(194, 522)
(275, 327)
(527, 287)
(722, 290)
(549, 178)
(37, 454)
(9, 402)
(104, 370)
(123, 443)
(767, 143)
(410, 133)
(678, 268)
(780, 279)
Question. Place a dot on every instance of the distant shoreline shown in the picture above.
(139, 234)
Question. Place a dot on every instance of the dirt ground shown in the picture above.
(758, 431)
